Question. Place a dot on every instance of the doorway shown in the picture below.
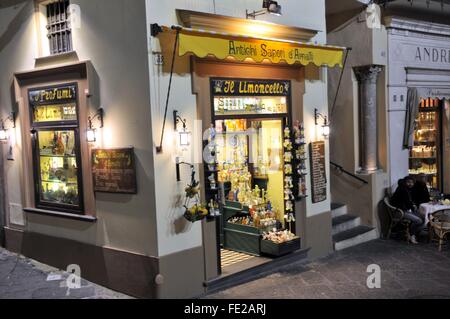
(426, 156)
(241, 112)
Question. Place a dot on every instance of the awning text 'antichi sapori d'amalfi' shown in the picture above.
(203, 44)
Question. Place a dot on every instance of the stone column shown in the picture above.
(367, 77)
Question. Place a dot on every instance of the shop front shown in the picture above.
(96, 175)
(261, 152)
(398, 87)
(419, 73)
(252, 174)
(75, 191)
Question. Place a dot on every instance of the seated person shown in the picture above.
(402, 199)
(420, 193)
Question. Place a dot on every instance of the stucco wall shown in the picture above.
(369, 46)
(173, 234)
(18, 47)
(112, 35)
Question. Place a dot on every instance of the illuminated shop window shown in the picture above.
(426, 155)
(58, 168)
(56, 148)
(250, 119)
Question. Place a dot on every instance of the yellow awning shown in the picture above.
(205, 43)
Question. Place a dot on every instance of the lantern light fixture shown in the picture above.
(269, 6)
(91, 133)
(3, 129)
(183, 134)
(325, 124)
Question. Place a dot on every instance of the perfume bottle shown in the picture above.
(59, 145)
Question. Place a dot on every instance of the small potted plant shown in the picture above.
(197, 211)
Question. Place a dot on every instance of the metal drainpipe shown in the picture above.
(2, 200)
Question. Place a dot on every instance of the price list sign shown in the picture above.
(114, 170)
(318, 172)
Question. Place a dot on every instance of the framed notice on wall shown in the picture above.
(318, 172)
(114, 170)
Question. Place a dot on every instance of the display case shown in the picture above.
(273, 249)
(425, 155)
(56, 148)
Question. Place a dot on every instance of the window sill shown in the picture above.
(66, 57)
(84, 218)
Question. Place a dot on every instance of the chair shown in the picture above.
(396, 217)
(440, 225)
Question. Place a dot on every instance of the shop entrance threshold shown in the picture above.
(251, 269)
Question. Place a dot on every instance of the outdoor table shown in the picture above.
(426, 209)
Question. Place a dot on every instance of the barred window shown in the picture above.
(58, 27)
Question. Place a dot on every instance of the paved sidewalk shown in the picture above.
(407, 271)
(23, 278)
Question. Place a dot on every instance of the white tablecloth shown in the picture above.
(429, 208)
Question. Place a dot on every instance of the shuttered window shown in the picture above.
(58, 27)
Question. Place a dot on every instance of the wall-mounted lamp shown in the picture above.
(269, 6)
(325, 125)
(183, 134)
(91, 133)
(178, 164)
(3, 129)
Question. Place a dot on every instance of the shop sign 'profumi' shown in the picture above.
(54, 94)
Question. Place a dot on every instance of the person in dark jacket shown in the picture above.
(403, 200)
(420, 193)
(402, 197)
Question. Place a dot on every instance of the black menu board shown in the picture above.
(114, 170)
(318, 172)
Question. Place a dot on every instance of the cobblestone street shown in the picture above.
(407, 271)
(22, 278)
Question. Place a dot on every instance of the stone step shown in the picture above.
(225, 282)
(354, 236)
(338, 209)
(344, 222)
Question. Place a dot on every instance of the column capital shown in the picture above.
(367, 73)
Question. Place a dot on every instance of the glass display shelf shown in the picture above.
(224, 133)
(429, 110)
(57, 156)
(242, 105)
(59, 182)
(423, 158)
(422, 173)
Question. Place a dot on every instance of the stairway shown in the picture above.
(347, 229)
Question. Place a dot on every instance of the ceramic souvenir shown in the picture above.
(288, 169)
(287, 157)
(288, 181)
